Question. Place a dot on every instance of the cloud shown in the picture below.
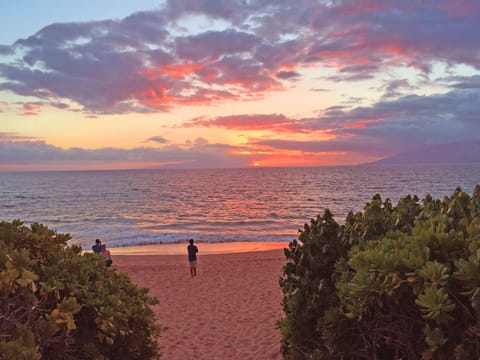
(143, 64)
(272, 122)
(341, 132)
(234, 10)
(384, 128)
(31, 108)
(200, 141)
(393, 88)
(472, 82)
(27, 152)
(408, 121)
(11, 137)
(5, 50)
(214, 44)
(158, 139)
(287, 74)
(389, 33)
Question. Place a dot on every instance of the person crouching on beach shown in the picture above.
(106, 255)
(192, 258)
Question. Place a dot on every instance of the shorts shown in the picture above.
(192, 263)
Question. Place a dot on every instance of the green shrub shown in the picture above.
(393, 282)
(56, 303)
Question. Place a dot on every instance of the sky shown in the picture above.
(117, 84)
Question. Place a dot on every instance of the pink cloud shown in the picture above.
(273, 122)
(30, 108)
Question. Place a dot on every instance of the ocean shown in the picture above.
(137, 207)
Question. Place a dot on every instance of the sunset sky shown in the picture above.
(208, 83)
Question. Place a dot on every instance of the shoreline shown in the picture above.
(204, 248)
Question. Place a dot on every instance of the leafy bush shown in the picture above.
(393, 282)
(56, 303)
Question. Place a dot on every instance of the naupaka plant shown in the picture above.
(57, 303)
(396, 282)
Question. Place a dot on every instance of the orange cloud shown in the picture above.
(154, 97)
(395, 48)
(175, 70)
(181, 70)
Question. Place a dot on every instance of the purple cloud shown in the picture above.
(199, 153)
(214, 44)
(287, 74)
(142, 64)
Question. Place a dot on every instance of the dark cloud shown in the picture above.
(251, 76)
(394, 87)
(287, 74)
(357, 72)
(342, 145)
(409, 120)
(277, 55)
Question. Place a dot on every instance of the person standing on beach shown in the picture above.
(192, 258)
(97, 248)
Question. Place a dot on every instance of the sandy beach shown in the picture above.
(228, 311)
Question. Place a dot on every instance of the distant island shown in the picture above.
(466, 152)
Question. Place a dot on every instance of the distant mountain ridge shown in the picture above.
(466, 152)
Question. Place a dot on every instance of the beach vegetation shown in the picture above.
(391, 282)
(57, 303)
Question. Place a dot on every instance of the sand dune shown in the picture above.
(227, 312)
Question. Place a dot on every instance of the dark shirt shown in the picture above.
(97, 248)
(192, 252)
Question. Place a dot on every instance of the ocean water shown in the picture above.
(136, 207)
